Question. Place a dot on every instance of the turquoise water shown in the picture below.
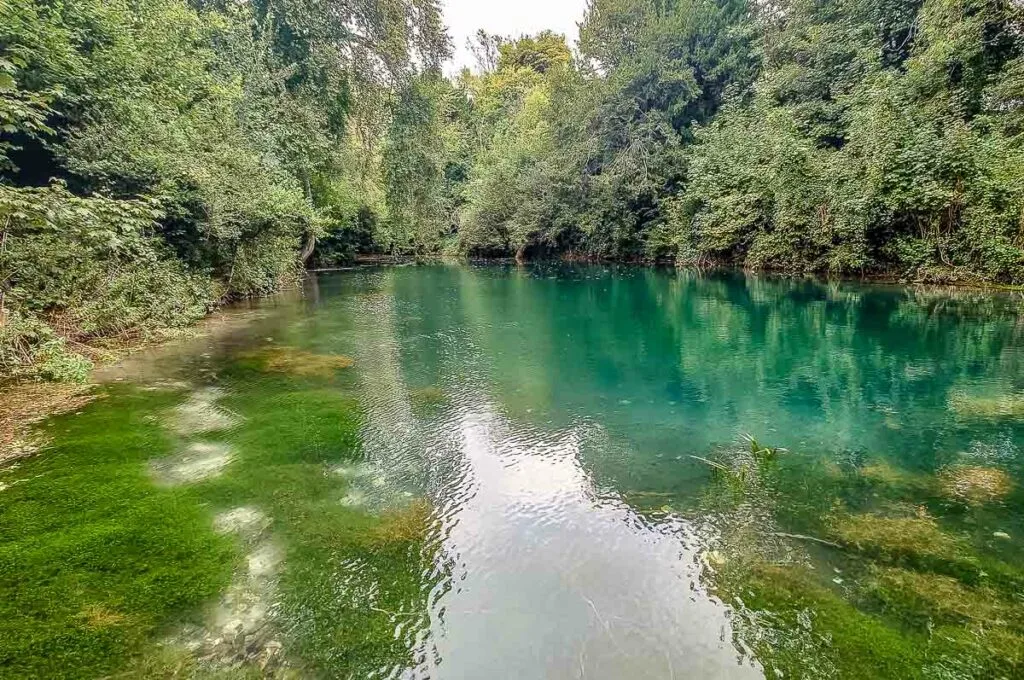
(574, 442)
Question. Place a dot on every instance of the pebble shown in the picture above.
(1001, 534)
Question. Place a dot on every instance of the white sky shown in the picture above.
(507, 17)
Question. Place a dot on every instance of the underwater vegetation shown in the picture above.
(212, 541)
(916, 536)
(986, 406)
(25, 405)
(976, 485)
(94, 560)
(427, 399)
(299, 362)
(866, 582)
(283, 511)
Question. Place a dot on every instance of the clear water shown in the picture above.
(557, 423)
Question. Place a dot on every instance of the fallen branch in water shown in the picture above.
(802, 537)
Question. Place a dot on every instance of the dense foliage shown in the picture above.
(159, 156)
(864, 136)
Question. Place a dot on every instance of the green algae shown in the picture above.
(94, 561)
(105, 571)
(295, 435)
(801, 628)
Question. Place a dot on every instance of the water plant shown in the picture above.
(94, 561)
(889, 591)
(975, 485)
(428, 398)
(299, 362)
(1009, 405)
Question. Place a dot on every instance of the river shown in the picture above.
(459, 471)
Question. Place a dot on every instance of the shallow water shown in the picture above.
(543, 473)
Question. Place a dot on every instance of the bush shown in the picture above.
(77, 269)
(29, 349)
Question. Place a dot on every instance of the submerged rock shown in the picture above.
(166, 386)
(239, 632)
(355, 498)
(263, 561)
(353, 471)
(239, 624)
(245, 522)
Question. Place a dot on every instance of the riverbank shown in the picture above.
(24, 406)
(27, 403)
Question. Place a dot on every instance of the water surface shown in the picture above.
(463, 472)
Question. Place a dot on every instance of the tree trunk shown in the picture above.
(308, 248)
(521, 254)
